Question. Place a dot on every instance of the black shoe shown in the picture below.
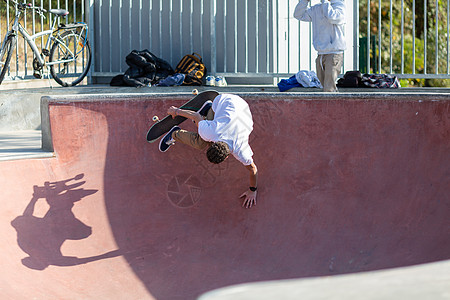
(167, 140)
(203, 111)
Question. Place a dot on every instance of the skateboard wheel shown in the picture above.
(195, 91)
(155, 119)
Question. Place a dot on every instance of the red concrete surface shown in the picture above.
(346, 184)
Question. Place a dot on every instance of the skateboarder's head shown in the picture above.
(218, 152)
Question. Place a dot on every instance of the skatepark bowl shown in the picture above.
(348, 184)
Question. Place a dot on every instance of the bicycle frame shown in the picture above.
(17, 27)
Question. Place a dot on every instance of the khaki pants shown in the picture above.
(193, 139)
(328, 67)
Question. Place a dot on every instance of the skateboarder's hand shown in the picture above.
(172, 111)
(249, 199)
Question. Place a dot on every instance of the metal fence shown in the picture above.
(253, 38)
(409, 38)
(233, 37)
(236, 38)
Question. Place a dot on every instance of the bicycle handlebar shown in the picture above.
(24, 6)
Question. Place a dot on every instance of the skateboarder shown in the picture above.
(224, 126)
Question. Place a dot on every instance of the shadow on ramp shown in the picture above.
(42, 238)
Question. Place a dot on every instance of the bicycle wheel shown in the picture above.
(5, 55)
(71, 58)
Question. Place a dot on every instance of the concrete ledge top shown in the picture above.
(102, 92)
(106, 89)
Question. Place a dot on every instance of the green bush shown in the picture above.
(434, 57)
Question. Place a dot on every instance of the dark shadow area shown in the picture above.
(42, 238)
(359, 187)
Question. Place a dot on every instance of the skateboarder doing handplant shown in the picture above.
(224, 126)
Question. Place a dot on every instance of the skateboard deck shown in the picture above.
(163, 126)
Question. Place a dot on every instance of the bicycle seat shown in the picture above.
(59, 12)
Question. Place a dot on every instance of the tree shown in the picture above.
(419, 34)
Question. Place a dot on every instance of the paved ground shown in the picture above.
(347, 184)
(407, 283)
(21, 144)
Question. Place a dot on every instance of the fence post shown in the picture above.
(356, 34)
(91, 23)
(213, 13)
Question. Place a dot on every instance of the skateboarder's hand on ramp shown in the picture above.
(249, 198)
(250, 195)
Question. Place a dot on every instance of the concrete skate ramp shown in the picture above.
(347, 183)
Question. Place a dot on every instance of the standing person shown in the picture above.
(328, 19)
(224, 126)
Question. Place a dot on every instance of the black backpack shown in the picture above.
(352, 79)
(144, 68)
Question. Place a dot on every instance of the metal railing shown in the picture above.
(223, 32)
(418, 47)
(236, 38)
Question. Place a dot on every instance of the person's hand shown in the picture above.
(249, 199)
(172, 111)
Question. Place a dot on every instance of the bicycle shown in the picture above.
(67, 47)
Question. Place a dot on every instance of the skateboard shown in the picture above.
(163, 126)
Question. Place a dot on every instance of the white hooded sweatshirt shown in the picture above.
(328, 19)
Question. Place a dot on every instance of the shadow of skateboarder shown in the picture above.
(42, 238)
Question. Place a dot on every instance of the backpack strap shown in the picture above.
(199, 57)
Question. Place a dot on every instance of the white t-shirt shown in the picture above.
(232, 124)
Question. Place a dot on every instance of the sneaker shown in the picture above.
(167, 140)
(203, 111)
